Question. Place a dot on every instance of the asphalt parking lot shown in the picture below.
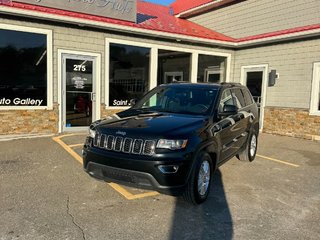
(45, 194)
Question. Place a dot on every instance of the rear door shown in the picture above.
(243, 118)
(224, 128)
(231, 130)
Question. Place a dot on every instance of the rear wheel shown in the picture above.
(250, 151)
(198, 187)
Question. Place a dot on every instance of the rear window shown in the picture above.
(247, 96)
(238, 98)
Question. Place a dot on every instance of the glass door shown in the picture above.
(79, 96)
(255, 78)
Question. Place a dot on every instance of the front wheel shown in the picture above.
(198, 187)
(250, 151)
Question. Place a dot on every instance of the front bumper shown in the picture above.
(137, 170)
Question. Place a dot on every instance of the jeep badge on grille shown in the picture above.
(121, 133)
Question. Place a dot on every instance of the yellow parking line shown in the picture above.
(115, 186)
(130, 196)
(76, 145)
(278, 161)
(67, 148)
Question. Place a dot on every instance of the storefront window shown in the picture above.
(173, 66)
(211, 69)
(129, 73)
(23, 68)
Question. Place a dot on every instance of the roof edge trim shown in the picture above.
(203, 8)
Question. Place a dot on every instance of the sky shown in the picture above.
(163, 2)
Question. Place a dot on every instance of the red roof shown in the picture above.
(280, 33)
(180, 6)
(150, 16)
(158, 18)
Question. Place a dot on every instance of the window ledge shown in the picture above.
(10, 108)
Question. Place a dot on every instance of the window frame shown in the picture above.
(315, 90)
(220, 100)
(153, 71)
(48, 34)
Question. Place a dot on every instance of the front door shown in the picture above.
(79, 100)
(255, 78)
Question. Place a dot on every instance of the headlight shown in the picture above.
(172, 144)
(92, 133)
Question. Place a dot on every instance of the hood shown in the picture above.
(151, 125)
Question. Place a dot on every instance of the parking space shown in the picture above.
(70, 143)
(45, 194)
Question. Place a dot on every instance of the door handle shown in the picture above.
(93, 97)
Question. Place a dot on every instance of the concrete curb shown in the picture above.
(23, 136)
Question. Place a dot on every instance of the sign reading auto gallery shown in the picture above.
(118, 9)
(20, 102)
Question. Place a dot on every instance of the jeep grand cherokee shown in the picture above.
(174, 138)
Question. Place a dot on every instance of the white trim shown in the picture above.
(315, 90)
(288, 36)
(228, 70)
(165, 47)
(97, 84)
(154, 48)
(265, 69)
(199, 7)
(194, 67)
(48, 33)
(153, 68)
(155, 33)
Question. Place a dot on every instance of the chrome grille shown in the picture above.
(137, 146)
(118, 144)
(102, 140)
(149, 147)
(110, 141)
(126, 145)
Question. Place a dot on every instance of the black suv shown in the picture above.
(174, 138)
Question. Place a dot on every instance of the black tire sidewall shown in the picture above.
(202, 157)
(251, 158)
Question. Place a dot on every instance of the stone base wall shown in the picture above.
(291, 122)
(108, 112)
(29, 121)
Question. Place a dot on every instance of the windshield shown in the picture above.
(178, 99)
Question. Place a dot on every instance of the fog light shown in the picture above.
(168, 169)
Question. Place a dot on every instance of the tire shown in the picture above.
(201, 176)
(250, 151)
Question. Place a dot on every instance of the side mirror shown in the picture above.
(229, 110)
(133, 102)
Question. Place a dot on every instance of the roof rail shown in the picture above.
(176, 81)
(231, 84)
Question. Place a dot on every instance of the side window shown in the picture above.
(247, 96)
(238, 98)
(226, 99)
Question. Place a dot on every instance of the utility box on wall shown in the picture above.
(273, 75)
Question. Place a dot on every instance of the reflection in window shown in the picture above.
(238, 98)
(129, 73)
(23, 68)
(211, 69)
(226, 99)
(173, 66)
